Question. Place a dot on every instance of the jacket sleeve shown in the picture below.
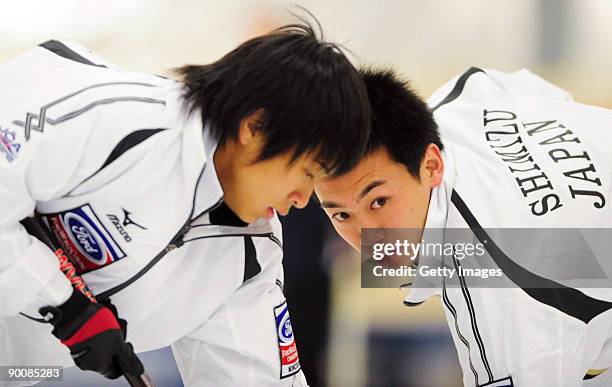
(55, 131)
(38, 168)
(522, 82)
(247, 342)
(526, 82)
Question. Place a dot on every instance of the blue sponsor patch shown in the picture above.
(85, 235)
(8, 144)
(289, 359)
(85, 239)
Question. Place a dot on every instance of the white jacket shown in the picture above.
(519, 153)
(124, 176)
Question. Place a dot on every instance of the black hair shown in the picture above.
(402, 122)
(313, 99)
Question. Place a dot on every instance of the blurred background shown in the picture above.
(347, 336)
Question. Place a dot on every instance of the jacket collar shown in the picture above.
(209, 193)
(433, 233)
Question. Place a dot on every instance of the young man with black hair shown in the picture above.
(165, 196)
(513, 153)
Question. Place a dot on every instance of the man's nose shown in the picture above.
(371, 223)
(371, 232)
(300, 198)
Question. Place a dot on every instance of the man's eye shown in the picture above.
(378, 203)
(308, 174)
(340, 216)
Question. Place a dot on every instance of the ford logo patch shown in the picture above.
(85, 238)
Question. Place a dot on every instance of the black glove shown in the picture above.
(94, 336)
(122, 323)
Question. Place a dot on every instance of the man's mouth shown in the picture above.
(281, 212)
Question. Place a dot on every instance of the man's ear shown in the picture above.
(250, 127)
(432, 166)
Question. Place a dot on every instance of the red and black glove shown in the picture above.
(95, 336)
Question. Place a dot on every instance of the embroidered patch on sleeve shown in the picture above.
(8, 144)
(87, 242)
(290, 362)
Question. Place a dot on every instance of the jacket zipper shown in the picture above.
(179, 239)
(176, 242)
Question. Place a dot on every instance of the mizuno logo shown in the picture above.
(127, 221)
(121, 226)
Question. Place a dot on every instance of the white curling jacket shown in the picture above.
(123, 174)
(520, 154)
